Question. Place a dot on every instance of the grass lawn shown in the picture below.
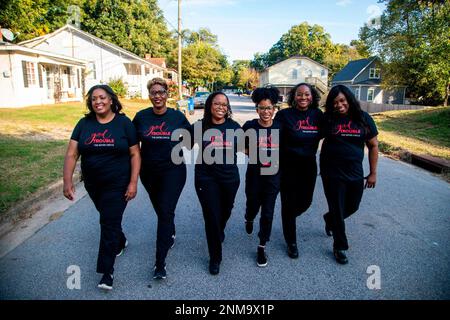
(418, 131)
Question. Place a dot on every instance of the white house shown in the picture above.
(106, 61)
(32, 77)
(289, 72)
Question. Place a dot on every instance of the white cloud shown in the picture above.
(343, 3)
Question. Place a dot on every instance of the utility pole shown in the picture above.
(180, 83)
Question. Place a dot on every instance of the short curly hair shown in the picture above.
(155, 81)
(260, 94)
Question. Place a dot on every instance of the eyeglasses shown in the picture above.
(268, 108)
(157, 93)
(223, 105)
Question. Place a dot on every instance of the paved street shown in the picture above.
(402, 228)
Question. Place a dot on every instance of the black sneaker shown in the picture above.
(340, 256)
(214, 267)
(123, 249)
(292, 251)
(261, 259)
(106, 282)
(173, 241)
(249, 226)
(160, 272)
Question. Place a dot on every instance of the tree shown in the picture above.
(302, 39)
(413, 41)
(137, 26)
(245, 77)
(312, 42)
(203, 62)
(33, 18)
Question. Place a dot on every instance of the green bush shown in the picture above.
(118, 86)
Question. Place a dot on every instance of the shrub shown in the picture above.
(118, 86)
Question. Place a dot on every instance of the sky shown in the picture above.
(245, 27)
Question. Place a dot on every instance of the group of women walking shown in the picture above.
(115, 150)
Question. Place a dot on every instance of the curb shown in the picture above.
(26, 208)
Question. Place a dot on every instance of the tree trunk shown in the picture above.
(447, 93)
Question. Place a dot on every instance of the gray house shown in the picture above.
(363, 77)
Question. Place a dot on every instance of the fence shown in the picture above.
(375, 107)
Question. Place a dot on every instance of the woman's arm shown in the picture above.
(372, 145)
(70, 162)
(135, 168)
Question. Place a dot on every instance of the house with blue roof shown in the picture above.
(364, 77)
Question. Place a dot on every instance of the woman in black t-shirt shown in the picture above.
(346, 130)
(261, 184)
(300, 138)
(163, 179)
(110, 162)
(216, 172)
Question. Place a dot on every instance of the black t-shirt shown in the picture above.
(300, 133)
(267, 140)
(342, 151)
(224, 143)
(104, 150)
(155, 131)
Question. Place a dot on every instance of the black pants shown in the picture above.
(217, 201)
(343, 199)
(164, 189)
(110, 204)
(298, 180)
(261, 193)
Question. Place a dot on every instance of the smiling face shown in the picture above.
(219, 108)
(158, 96)
(340, 104)
(265, 111)
(101, 102)
(303, 97)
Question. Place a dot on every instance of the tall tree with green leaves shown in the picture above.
(204, 65)
(413, 40)
(135, 25)
(245, 76)
(28, 19)
(312, 42)
(304, 40)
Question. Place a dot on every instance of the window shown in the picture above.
(370, 95)
(357, 93)
(374, 73)
(92, 71)
(299, 62)
(41, 83)
(322, 72)
(29, 76)
(294, 74)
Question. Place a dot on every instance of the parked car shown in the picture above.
(200, 99)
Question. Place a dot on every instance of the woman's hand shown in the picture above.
(371, 181)
(69, 191)
(131, 191)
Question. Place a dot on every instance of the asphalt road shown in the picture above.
(401, 234)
